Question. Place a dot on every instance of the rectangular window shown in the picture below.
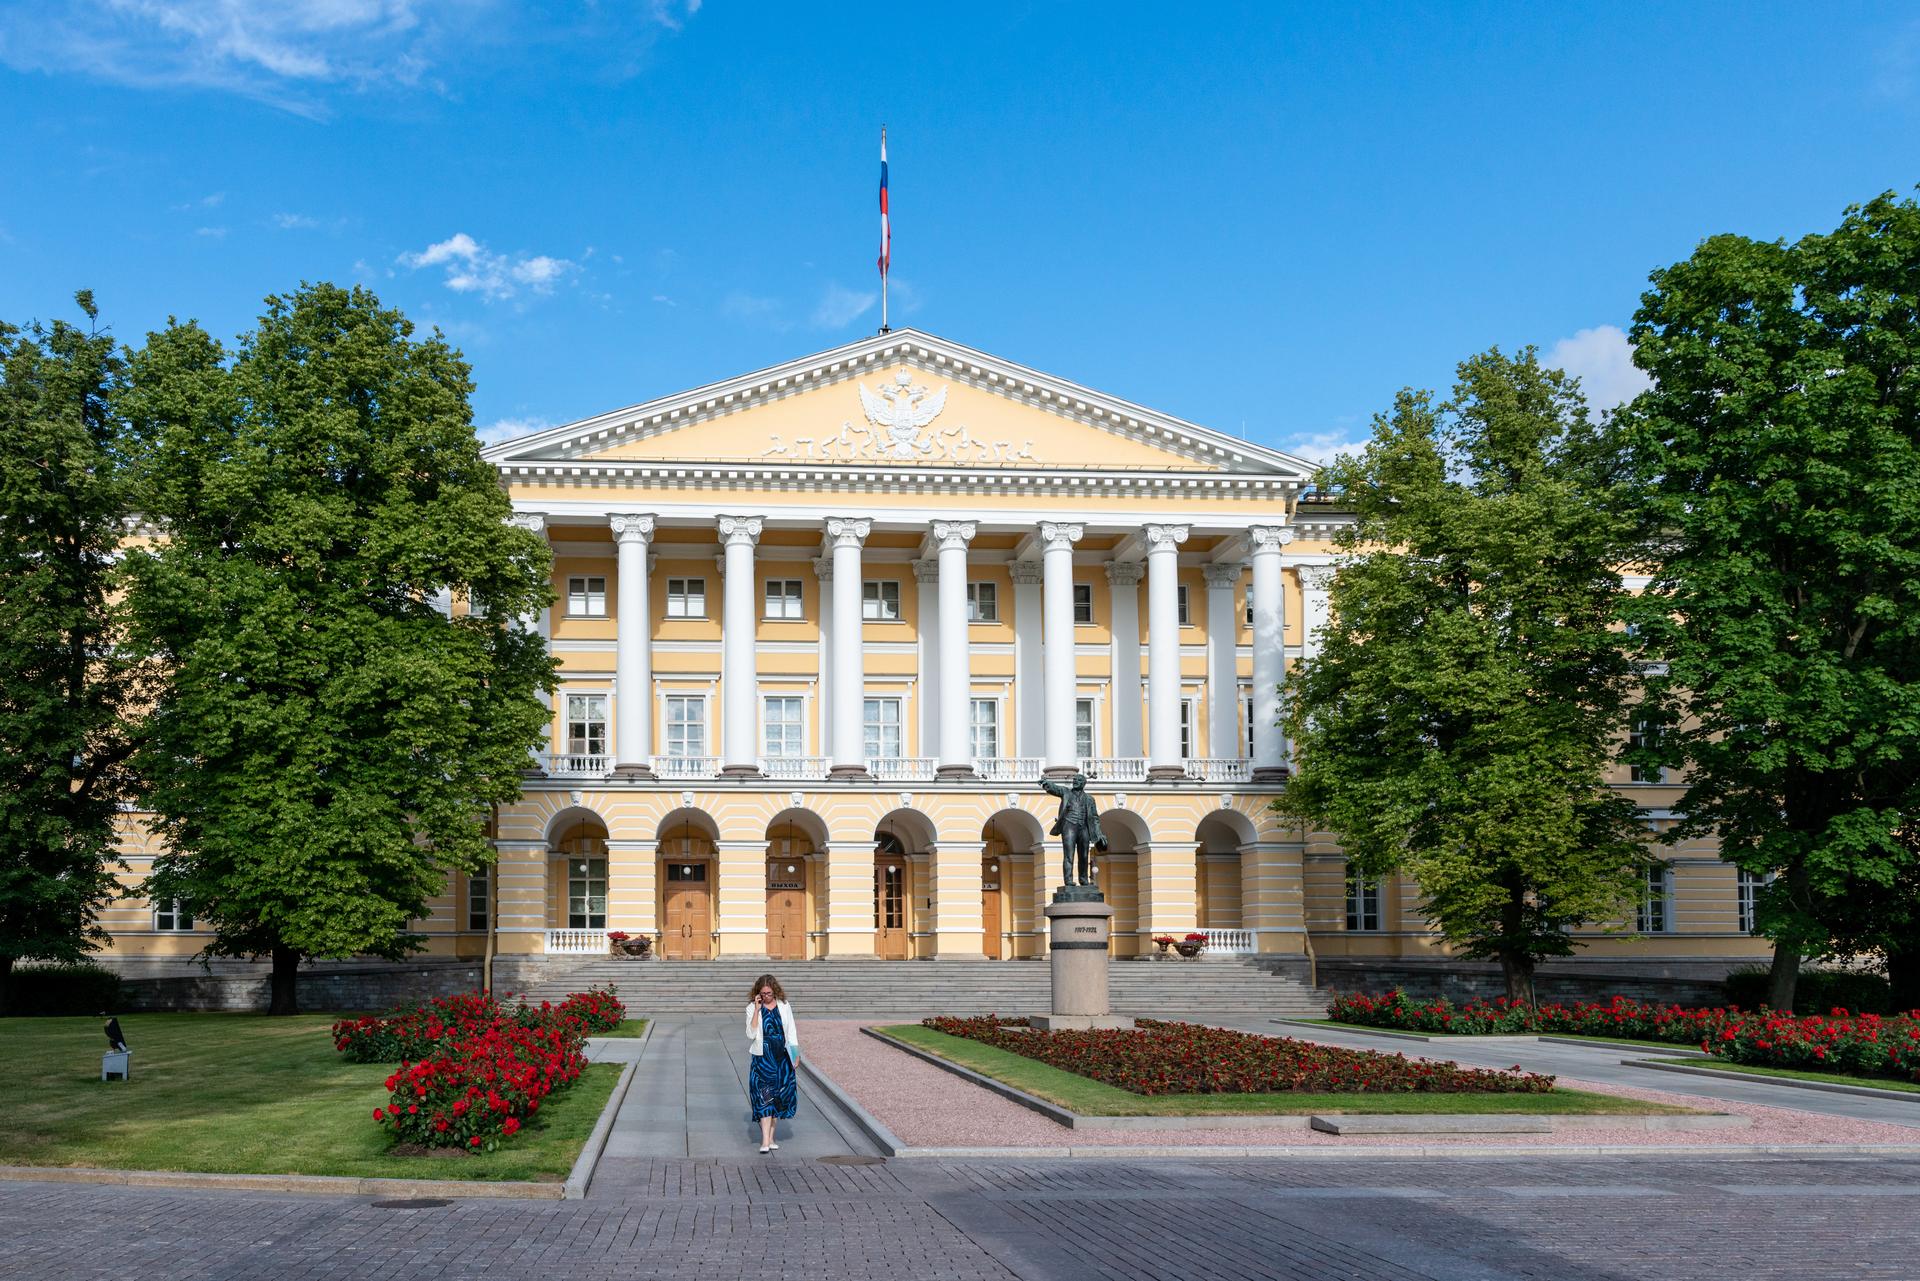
(1082, 728)
(477, 900)
(983, 603)
(1644, 735)
(1187, 711)
(1083, 602)
(985, 726)
(880, 600)
(1363, 904)
(783, 598)
(586, 894)
(785, 732)
(586, 724)
(1248, 705)
(1656, 903)
(882, 719)
(1749, 888)
(1248, 615)
(170, 917)
(686, 598)
(686, 726)
(1180, 604)
(587, 597)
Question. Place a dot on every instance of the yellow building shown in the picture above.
(823, 627)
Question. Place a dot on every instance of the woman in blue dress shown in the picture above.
(773, 1038)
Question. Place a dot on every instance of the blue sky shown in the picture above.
(1266, 219)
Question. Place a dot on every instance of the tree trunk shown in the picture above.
(286, 975)
(1903, 976)
(1784, 977)
(6, 984)
(493, 901)
(1518, 968)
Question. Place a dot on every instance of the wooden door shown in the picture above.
(890, 909)
(786, 913)
(990, 942)
(689, 931)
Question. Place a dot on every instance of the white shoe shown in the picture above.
(764, 1151)
(776, 1147)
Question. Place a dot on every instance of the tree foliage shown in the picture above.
(65, 690)
(1776, 464)
(330, 741)
(1464, 708)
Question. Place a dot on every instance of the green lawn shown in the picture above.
(628, 1027)
(1470, 1036)
(1795, 1074)
(243, 1094)
(1094, 1098)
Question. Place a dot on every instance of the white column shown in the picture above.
(956, 658)
(1269, 651)
(1123, 577)
(844, 538)
(536, 523)
(1163, 652)
(823, 570)
(1224, 731)
(1056, 560)
(739, 679)
(1316, 607)
(926, 577)
(633, 649)
(1029, 684)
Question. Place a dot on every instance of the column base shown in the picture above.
(1168, 774)
(1080, 1022)
(849, 774)
(740, 771)
(955, 773)
(633, 773)
(1271, 775)
(1059, 772)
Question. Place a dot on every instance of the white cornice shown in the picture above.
(1204, 446)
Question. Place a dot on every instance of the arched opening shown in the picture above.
(1010, 841)
(795, 838)
(577, 882)
(901, 841)
(1223, 881)
(1117, 873)
(686, 880)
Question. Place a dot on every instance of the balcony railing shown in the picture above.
(1228, 943)
(1115, 769)
(791, 767)
(1221, 769)
(578, 765)
(576, 942)
(901, 769)
(680, 767)
(1009, 769)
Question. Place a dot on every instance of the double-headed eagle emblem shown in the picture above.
(900, 412)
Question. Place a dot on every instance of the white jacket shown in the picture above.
(792, 1029)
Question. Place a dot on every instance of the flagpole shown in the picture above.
(886, 231)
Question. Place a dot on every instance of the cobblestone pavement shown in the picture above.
(1493, 1219)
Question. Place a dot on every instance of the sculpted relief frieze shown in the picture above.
(901, 427)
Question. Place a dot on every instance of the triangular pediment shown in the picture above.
(902, 399)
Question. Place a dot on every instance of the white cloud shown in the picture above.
(211, 233)
(295, 222)
(1322, 447)
(755, 308)
(507, 428)
(1602, 359)
(840, 306)
(473, 268)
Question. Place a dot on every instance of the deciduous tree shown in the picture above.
(1467, 699)
(331, 739)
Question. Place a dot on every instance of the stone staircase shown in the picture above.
(1213, 990)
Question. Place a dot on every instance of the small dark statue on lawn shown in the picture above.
(1078, 828)
(115, 1041)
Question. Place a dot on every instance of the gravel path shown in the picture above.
(928, 1107)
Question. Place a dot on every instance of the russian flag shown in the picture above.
(886, 227)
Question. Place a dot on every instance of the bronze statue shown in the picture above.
(1078, 827)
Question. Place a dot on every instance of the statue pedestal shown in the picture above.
(1077, 942)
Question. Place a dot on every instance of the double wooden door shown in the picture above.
(786, 914)
(688, 933)
(990, 928)
(890, 909)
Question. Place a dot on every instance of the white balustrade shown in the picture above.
(578, 765)
(1114, 769)
(1228, 943)
(902, 769)
(577, 942)
(794, 767)
(1009, 769)
(686, 766)
(1216, 769)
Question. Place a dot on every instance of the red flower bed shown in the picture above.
(1641, 1020)
(1856, 1044)
(473, 1071)
(1186, 1058)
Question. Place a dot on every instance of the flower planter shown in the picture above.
(1189, 950)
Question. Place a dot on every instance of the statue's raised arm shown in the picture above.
(1052, 788)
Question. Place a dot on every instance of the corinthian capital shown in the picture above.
(1166, 536)
(848, 531)
(630, 527)
(532, 522)
(953, 535)
(1270, 538)
(737, 530)
(1054, 534)
(1316, 578)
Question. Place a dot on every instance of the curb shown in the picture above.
(588, 1161)
(1402, 1152)
(1824, 1087)
(299, 1184)
(875, 1129)
(1500, 1038)
(1052, 1111)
